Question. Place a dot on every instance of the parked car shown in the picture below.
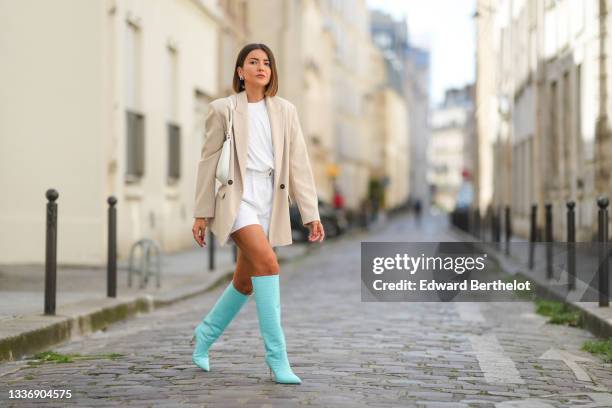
(334, 222)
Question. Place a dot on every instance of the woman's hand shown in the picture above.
(199, 231)
(316, 231)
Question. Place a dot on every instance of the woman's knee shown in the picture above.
(266, 265)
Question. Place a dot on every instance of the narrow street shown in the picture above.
(348, 353)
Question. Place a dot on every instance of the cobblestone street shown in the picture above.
(347, 353)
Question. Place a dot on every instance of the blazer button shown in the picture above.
(230, 182)
(282, 186)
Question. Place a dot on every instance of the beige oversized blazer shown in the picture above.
(293, 179)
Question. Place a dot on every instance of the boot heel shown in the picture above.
(267, 298)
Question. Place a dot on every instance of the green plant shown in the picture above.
(558, 312)
(602, 348)
(53, 357)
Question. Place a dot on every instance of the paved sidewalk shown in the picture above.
(81, 302)
(596, 319)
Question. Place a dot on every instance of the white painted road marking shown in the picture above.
(598, 400)
(496, 366)
(570, 360)
(469, 312)
(526, 403)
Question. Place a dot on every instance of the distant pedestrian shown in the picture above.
(252, 209)
(417, 209)
(338, 199)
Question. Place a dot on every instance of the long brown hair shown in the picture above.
(272, 86)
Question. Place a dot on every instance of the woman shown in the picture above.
(269, 167)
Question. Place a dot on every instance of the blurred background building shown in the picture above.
(418, 100)
(109, 97)
(451, 153)
(542, 109)
(408, 72)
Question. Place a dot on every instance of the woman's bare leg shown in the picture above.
(255, 257)
(264, 276)
(242, 274)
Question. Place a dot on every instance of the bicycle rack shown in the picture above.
(149, 249)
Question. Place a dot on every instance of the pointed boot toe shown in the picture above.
(213, 325)
(285, 375)
(200, 353)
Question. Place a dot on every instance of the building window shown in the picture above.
(174, 152)
(135, 119)
(553, 139)
(173, 129)
(578, 127)
(135, 146)
(568, 134)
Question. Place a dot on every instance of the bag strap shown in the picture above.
(230, 127)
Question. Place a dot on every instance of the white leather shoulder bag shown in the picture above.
(223, 165)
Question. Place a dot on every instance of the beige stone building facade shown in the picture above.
(485, 112)
(348, 22)
(303, 47)
(375, 109)
(395, 147)
(106, 97)
(109, 97)
(543, 84)
(407, 88)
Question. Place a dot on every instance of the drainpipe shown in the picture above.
(602, 134)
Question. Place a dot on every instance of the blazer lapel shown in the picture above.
(241, 131)
(277, 135)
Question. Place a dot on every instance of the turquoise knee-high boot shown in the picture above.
(267, 299)
(215, 322)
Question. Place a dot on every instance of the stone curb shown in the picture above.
(590, 313)
(81, 318)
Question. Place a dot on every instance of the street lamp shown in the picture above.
(484, 8)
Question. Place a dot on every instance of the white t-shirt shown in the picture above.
(260, 151)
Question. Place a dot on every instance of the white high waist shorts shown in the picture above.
(256, 204)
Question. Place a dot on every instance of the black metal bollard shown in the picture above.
(235, 252)
(508, 224)
(604, 290)
(499, 225)
(571, 247)
(51, 252)
(497, 220)
(211, 251)
(533, 233)
(111, 263)
(477, 223)
(549, 240)
(492, 224)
